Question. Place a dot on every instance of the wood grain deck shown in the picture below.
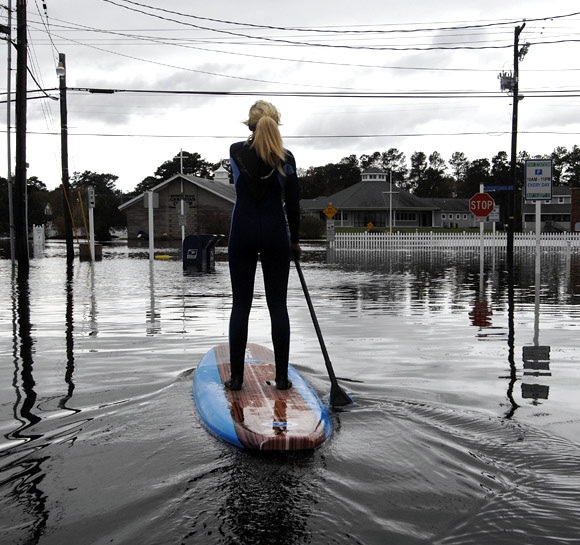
(266, 418)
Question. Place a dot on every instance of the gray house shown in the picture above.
(371, 201)
(207, 207)
(555, 213)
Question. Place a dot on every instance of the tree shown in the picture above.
(434, 182)
(329, 179)
(107, 201)
(193, 165)
(559, 164)
(370, 161)
(459, 165)
(145, 185)
(417, 173)
(478, 172)
(37, 201)
(395, 161)
(566, 166)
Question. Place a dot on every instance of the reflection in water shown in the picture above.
(536, 358)
(511, 338)
(574, 274)
(23, 350)
(93, 323)
(268, 499)
(153, 315)
(27, 474)
(481, 314)
(69, 335)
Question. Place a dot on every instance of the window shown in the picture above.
(406, 216)
(443, 216)
(458, 216)
(464, 216)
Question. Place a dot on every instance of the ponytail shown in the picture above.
(266, 138)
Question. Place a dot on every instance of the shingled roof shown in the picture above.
(223, 190)
(374, 194)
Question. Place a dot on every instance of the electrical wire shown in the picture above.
(46, 24)
(310, 44)
(303, 136)
(206, 72)
(375, 95)
(343, 31)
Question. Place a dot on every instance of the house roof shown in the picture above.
(374, 194)
(451, 205)
(224, 191)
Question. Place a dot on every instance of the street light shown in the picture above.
(60, 70)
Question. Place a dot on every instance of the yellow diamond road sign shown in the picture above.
(330, 211)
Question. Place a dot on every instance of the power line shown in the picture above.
(46, 24)
(292, 42)
(266, 57)
(303, 136)
(419, 94)
(163, 41)
(362, 94)
(157, 63)
(342, 31)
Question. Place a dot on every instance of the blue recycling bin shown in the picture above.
(199, 252)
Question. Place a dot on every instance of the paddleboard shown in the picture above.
(259, 416)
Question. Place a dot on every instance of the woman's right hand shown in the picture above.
(295, 251)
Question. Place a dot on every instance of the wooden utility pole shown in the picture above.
(514, 169)
(68, 234)
(20, 193)
(8, 32)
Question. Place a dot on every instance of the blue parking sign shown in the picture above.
(538, 179)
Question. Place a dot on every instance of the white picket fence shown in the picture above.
(443, 241)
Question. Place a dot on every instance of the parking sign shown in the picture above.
(538, 180)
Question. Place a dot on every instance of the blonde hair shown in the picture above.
(266, 139)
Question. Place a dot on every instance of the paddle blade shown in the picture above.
(338, 397)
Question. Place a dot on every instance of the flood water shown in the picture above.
(465, 427)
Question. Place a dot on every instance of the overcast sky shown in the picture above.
(293, 48)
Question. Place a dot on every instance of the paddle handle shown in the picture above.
(316, 326)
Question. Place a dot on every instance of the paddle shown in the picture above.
(338, 397)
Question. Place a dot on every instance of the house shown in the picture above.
(555, 213)
(201, 205)
(371, 200)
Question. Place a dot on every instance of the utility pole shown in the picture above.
(8, 32)
(68, 235)
(514, 170)
(20, 219)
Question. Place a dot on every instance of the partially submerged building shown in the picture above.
(371, 200)
(207, 207)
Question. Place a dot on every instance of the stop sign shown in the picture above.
(481, 205)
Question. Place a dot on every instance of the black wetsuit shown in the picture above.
(260, 228)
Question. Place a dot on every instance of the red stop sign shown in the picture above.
(481, 204)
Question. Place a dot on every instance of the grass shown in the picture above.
(409, 230)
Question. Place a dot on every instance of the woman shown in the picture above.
(265, 179)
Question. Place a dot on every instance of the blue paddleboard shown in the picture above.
(259, 416)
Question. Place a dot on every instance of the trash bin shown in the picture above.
(199, 251)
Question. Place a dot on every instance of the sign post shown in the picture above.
(91, 199)
(330, 212)
(538, 187)
(481, 205)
